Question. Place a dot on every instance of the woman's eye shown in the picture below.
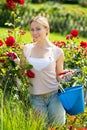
(37, 29)
(31, 30)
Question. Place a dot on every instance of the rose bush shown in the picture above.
(10, 69)
(75, 52)
(14, 78)
(11, 4)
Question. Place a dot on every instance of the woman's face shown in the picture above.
(38, 32)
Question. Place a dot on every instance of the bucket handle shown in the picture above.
(61, 88)
(73, 71)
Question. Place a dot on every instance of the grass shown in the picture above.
(27, 37)
(17, 117)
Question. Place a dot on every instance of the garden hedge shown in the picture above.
(60, 19)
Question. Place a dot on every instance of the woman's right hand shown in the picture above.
(65, 76)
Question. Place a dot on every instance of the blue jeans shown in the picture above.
(50, 107)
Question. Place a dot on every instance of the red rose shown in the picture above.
(83, 44)
(12, 55)
(68, 37)
(59, 44)
(74, 33)
(1, 43)
(2, 61)
(10, 31)
(30, 74)
(10, 4)
(22, 32)
(10, 41)
(19, 1)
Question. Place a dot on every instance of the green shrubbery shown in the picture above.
(61, 20)
(16, 112)
(83, 3)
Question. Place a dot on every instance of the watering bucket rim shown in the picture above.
(70, 89)
(70, 109)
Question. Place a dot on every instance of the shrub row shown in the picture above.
(81, 2)
(60, 19)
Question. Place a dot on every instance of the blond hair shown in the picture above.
(42, 20)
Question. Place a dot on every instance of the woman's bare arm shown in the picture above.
(59, 65)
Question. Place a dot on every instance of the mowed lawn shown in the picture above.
(27, 37)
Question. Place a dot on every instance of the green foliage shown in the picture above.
(4, 14)
(83, 3)
(62, 18)
(19, 117)
(2, 1)
(16, 116)
(14, 96)
(13, 79)
(75, 58)
(69, 1)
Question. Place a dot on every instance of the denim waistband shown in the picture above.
(47, 94)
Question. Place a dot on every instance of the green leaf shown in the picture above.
(28, 66)
(6, 23)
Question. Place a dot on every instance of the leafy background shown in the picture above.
(16, 112)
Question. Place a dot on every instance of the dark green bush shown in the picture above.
(83, 3)
(4, 14)
(37, 1)
(69, 1)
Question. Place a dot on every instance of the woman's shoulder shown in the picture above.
(57, 51)
(27, 48)
(28, 45)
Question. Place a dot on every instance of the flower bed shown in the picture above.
(14, 79)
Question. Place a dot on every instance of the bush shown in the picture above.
(83, 3)
(61, 20)
(4, 14)
(69, 1)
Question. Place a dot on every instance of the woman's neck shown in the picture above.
(44, 43)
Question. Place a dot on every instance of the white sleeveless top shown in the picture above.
(44, 69)
(39, 63)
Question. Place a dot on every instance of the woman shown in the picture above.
(47, 61)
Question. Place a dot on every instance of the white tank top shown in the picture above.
(44, 69)
(39, 63)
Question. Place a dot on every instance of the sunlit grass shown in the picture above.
(18, 118)
(75, 7)
(67, 7)
(27, 37)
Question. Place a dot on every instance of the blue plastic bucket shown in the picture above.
(72, 100)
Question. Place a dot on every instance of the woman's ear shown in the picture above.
(47, 31)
